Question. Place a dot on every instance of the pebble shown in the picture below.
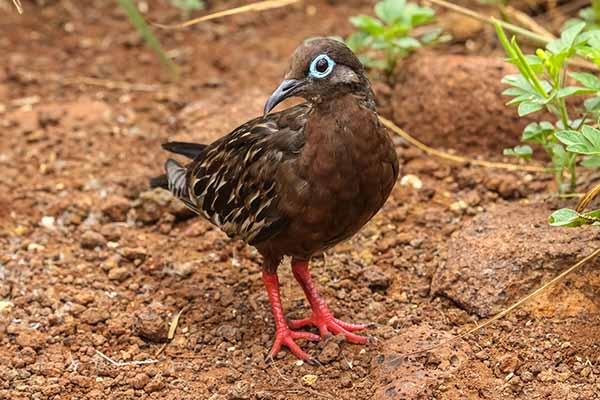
(94, 316)
(139, 381)
(91, 240)
(47, 222)
(31, 338)
(118, 274)
(115, 208)
(157, 383)
(411, 180)
(508, 363)
(330, 352)
(151, 326)
(309, 379)
(376, 279)
(134, 253)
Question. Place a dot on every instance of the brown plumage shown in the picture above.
(299, 181)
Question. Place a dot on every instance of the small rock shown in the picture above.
(508, 363)
(35, 247)
(111, 263)
(139, 381)
(157, 383)
(5, 306)
(151, 326)
(185, 269)
(411, 180)
(91, 240)
(309, 379)
(376, 279)
(134, 253)
(116, 208)
(94, 315)
(586, 371)
(227, 332)
(330, 352)
(47, 222)
(546, 376)
(31, 338)
(118, 274)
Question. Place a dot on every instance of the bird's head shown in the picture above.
(321, 68)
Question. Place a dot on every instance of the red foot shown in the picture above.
(283, 335)
(286, 338)
(326, 323)
(321, 316)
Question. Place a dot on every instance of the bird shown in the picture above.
(296, 182)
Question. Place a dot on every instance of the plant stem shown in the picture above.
(146, 32)
(506, 25)
(573, 171)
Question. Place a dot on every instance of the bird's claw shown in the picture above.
(287, 337)
(327, 324)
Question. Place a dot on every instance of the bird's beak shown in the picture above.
(286, 89)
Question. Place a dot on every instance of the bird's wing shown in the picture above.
(233, 181)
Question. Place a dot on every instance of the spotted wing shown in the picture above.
(234, 184)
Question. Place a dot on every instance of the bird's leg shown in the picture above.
(321, 317)
(283, 334)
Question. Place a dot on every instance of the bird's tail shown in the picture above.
(189, 150)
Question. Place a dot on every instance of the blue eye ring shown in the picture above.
(313, 66)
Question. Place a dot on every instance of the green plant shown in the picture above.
(145, 31)
(187, 6)
(589, 15)
(380, 42)
(542, 84)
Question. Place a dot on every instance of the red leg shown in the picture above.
(283, 334)
(321, 315)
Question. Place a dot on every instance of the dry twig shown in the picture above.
(258, 6)
(127, 363)
(18, 5)
(489, 164)
(172, 329)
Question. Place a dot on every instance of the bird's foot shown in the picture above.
(327, 324)
(287, 337)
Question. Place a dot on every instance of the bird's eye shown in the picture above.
(321, 66)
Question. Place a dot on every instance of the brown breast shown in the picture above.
(343, 176)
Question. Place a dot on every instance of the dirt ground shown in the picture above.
(93, 263)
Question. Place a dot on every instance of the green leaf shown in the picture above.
(585, 142)
(592, 104)
(528, 107)
(591, 162)
(573, 91)
(567, 39)
(586, 79)
(359, 41)
(518, 81)
(537, 133)
(407, 43)
(368, 24)
(524, 152)
(390, 10)
(565, 217)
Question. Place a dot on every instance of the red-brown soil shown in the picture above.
(93, 262)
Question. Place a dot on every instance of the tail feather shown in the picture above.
(160, 182)
(176, 178)
(190, 150)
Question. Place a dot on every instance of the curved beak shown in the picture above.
(286, 89)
